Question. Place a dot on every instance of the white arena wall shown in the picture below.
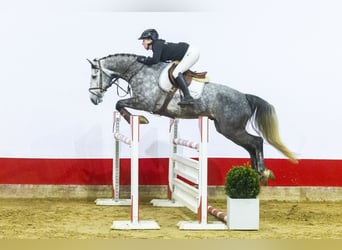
(287, 52)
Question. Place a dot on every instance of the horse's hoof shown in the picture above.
(269, 174)
(143, 120)
(265, 176)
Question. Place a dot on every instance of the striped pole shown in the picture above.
(217, 214)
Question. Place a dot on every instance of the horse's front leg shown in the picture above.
(133, 103)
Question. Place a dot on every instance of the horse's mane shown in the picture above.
(119, 54)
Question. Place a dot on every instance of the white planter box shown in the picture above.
(243, 214)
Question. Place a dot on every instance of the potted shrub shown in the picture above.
(242, 186)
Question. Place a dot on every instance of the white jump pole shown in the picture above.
(170, 201)
(202, 147)
(194, 171)
(115, 200)
(134, 222)
(203, 171)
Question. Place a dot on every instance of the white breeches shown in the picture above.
(190, 58)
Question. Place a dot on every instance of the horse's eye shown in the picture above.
(95, 71)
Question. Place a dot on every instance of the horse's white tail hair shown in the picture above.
(266, 122)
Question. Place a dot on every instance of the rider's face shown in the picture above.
(146, 43)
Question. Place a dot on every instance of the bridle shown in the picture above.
(99, 90)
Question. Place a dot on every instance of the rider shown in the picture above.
(164, 52)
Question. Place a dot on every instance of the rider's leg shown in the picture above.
(187, 100)
(189, 59)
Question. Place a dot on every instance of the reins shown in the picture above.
(115, 81)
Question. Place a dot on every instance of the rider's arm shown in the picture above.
(157, 48)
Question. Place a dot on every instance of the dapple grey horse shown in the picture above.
(228, 108)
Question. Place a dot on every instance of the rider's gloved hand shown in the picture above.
(141, 59)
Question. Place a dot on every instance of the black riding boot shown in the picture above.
(187, 100)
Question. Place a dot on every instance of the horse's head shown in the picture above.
(100, 80)
(104, 70)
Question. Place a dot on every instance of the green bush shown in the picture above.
(242, 182)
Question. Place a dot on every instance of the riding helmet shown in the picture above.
(149, 33)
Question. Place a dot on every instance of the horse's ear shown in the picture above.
(92, 63)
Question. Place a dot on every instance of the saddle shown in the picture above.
(199, 79)
(188, 75)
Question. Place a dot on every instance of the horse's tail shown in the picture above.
(266, 122)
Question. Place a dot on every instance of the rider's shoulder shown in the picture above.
(159, 41)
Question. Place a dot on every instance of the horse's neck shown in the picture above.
(136, 74)
(123, 64)
(119, 64)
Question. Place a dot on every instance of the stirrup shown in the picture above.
(186, 101)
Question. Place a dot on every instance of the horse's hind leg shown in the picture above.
(253, 144)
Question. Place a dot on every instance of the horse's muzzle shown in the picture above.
(95, 99)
